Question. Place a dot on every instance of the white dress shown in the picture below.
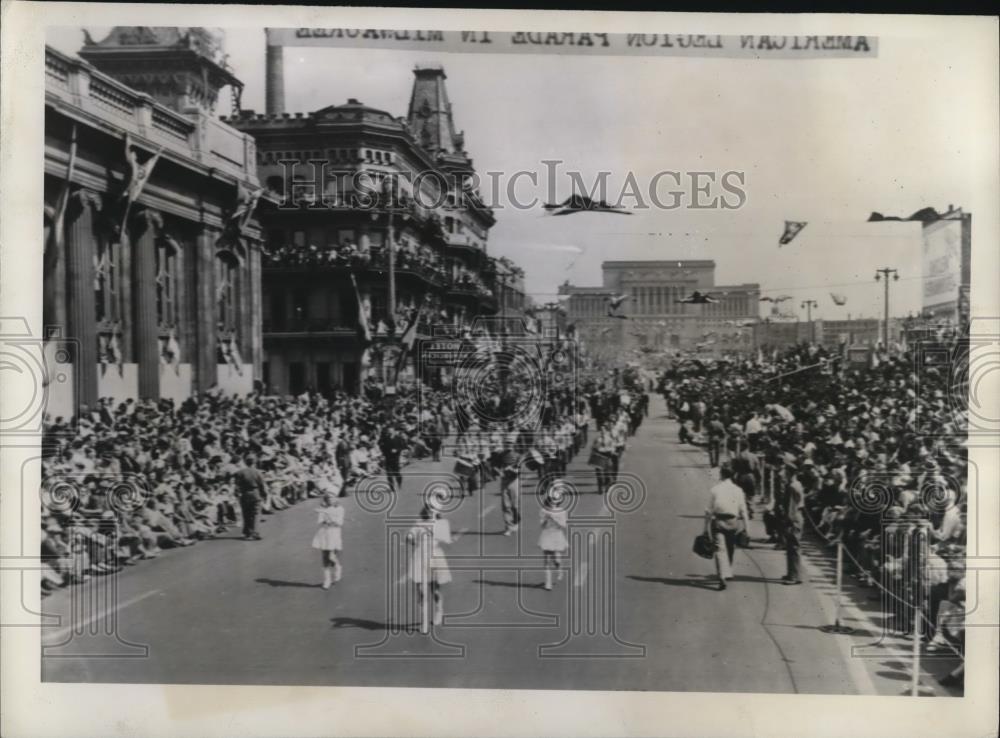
(331, 520)
(426, 538)
(553, 537)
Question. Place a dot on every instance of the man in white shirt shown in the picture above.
(725, 516)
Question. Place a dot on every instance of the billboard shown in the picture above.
(942, 262)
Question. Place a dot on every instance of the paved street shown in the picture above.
(636, 610)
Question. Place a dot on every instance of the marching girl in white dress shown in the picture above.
(553, 540)
(328, 538)
(427, 562)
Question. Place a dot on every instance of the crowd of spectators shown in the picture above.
(409, 256)
(876, 452)
(291, 254)
(122, 483)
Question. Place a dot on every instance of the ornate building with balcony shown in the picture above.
(152, 246)
(656, 322)
(355, 182)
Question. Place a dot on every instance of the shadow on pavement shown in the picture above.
(709, 583)
(515, 585)
(342, 622)
(283, 583)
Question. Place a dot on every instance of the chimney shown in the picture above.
(275, 80)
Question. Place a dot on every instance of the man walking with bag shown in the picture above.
(725, 516)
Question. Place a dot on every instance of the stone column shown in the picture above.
(206, 337)
(81, 312)
(256, 311)
(145, 330)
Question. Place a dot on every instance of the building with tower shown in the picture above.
(345, 275)
(152, 240)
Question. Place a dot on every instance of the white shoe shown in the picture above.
(326, 578)
(559, 575)
(438, 615)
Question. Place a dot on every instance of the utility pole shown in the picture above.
(389, 201)
(879, 274)
(809, 305)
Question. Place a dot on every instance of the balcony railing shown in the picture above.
(194, 135)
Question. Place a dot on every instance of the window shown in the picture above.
(323, 377)
(299, 238)
(296, 378)
(345, 236)
(300, 309)
(278, 310)
(106, 282)
(380, 306)
(167, 273)
(226, 277)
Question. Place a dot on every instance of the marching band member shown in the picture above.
(510, 487)
(563, 440)
(582, 424)
(604, 444)
(468, 451)
(618, 433)
(553, 540)
(328, 538)
(481, 443)
(428, 565)
(548, 448)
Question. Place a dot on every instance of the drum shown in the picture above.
(486, 470)
(599, 460)
(534, 460)
(465, 468)
(508, 458)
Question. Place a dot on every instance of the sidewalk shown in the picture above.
(885, 658)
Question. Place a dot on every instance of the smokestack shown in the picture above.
(275, 83)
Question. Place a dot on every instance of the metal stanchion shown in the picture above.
(426, 544)
(915, 681)
(837, 628)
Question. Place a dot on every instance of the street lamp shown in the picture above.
(809, 305)
(879, 274)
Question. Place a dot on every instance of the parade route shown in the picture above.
(233, 611)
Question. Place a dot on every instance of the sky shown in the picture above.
(821, 141)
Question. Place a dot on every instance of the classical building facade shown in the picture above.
(357, 186)
(655, 322)
(152, 258)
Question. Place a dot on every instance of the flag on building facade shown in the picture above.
(408, 341)
(62, 202)
(364, 330)
(137, 176)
